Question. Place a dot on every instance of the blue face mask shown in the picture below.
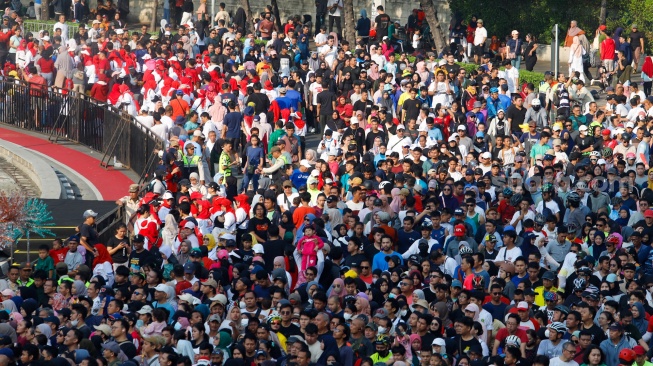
(139, 323)
(177, 326)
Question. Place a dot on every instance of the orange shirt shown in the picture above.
(300, 213)
(179, 108)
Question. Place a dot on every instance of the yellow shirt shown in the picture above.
(539, 295)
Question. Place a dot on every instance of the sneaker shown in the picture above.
(312, 130)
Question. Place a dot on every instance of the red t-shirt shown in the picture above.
(58, 255)
(47, 65)
(503, 333)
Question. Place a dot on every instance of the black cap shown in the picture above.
(138, 238)
(332, 198)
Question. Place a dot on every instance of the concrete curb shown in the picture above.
(34, 167)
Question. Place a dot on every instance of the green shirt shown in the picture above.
(225, 160)
(539, 149)
(46, 265)
(274, 136)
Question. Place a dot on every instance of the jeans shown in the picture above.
(516, 62)
(319, 22)
(246, 178)
(647, 87)
(166, 15)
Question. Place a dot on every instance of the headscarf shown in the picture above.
(623, 221)
(103, 255)
(330, 349)
(29, 306)
(9, 306)
(45, 330)
(7, 330)
(80, 288)
(395, 205)
(341, 294)
(365, 306)
(64, 62)
(212, 242)
(363, 13)
(473, 308)
(640, 322)
(647, 68)
(185, 348)
(573, 31)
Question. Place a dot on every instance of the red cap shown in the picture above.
(648, 213)
(459, 230)
(639, 350)
(606, 132)
(627, 355)
(602, 27)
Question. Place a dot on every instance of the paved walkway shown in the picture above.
(111, 184)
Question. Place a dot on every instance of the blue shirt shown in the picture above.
(295, 98)
(232, 120)
(284, 102)
(379, 261)
(298, 178)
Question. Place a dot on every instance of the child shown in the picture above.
(44, 261)
(417, 40)
(58, 251)
(308, 246)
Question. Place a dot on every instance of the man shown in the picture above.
(381, 23)
(463, 338)
(381, 258)
(614, 344)
(88, 236)
(509, 252)
(511, 329)
(150, 349)
(480, 35)
(119, 331)
(71, 343)
(383, 354)
(566, 358)
(559, 247)
(553, 346)
(359, 344)
(73, 258)
(587, 314)
(636, 40)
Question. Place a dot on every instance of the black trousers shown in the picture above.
(338, 24)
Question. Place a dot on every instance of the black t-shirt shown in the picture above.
(354, 260)
(261, 102)
(121, 255)
(259, 226)
(370, 251)
(89, 232)
(325, 99)
(363, 106)
(128, 349)
(290, 331)
(412, 108)
(273, 249)
(452, 69)
(598, 335)
(246, 255)
(369, 139)
(634, 39)
(136, 259)
(382, 22)
(517, 115)
(584, 142)
(456, 345)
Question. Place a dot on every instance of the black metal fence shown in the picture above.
(78, 118)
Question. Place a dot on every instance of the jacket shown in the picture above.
(612, 351)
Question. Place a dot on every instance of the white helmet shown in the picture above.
(513, 340)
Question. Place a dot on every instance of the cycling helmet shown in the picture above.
(547, 187)
(573, 197)
(382, 339)
(550, 296)
(595, 154)
(464, 249)
(558, 327)
(540, 219)
(617, 201)
(516, 199)
(272, 318)
(513, 340)
(612, 239)
(607, 152)
(477, 281)
(571, 227)
(585, 271)
(507, 192)
(563, 309)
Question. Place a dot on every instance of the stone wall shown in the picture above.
(397, 9)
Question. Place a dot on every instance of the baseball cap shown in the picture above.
(522, 306)
(89, 213)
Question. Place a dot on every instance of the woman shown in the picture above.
(103, 264)
(575, 62)
(514, 46)
(259, 224)
(647, 75)
(198, 333)
(119, 247)
(639, 317)
(594, 356)
(499, 126)
(255, 160)
(362, 306)
(605, 319)
(441, 89)
(530, 52)
(329, 349)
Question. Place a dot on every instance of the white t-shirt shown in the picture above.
(416, 38)
(508, 255)
(552, 205)
(480, 34)
(333, 2)
(512, 77)
(556, 361)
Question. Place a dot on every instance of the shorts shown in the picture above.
(479, 50)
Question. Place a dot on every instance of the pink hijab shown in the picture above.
(365, 306)
(341, 292)
(395, 205)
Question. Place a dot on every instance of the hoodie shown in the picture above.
(612, 351)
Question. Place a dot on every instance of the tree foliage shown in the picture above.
(538, 16)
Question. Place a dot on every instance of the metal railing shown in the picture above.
(36, 26)
(78, 118)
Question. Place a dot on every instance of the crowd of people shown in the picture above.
(445, 217)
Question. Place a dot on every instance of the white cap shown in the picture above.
(556, 128)
(189, 225)
(161, 288)
(439, 342)
(353, 120)
(45, 38)
(630, 125)
(305, 163)
(167, 195)
(219, 298)
(197, 133)
(119, 31)
(461, 128)
(227, 236)
(601, 161)
(451, 138)
(401, 127)
(486, 155)
(315, 173)
(258, 248)
(582, 128)
(190, 299)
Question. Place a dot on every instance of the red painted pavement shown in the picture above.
(111, 184)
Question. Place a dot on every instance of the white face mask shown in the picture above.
(403, 312)
(347, 316)
(546, 333)
(75, 322)
(242, 304)
(177, 326)
(382, 330)
(244, 322)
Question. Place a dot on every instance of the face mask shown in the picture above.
(177, 326)
(391, 295)
(374, 279)
(244, 322)
(383, 354)
(296, 323)
(382, 330)
(403, 312)
(242, 304)
(546, 333)
(139, 323)
(536, 107)
(347, 316)
(75, 322)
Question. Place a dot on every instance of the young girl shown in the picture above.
(417, 40)
(308, 246)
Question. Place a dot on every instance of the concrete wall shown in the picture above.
(33, 167)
